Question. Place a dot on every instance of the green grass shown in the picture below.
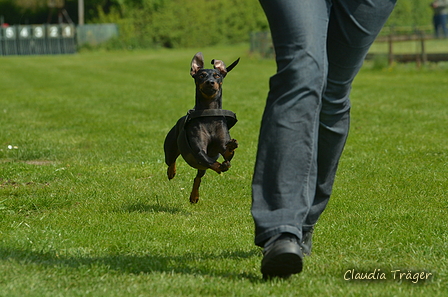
(86, 208)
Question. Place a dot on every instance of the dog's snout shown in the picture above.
(211, 82)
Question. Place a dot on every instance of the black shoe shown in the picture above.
(307, 242)
(282, 257)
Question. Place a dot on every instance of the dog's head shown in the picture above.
(209, 81)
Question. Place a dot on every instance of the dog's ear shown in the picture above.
(197, 63)
(219, 65)
(233, 65)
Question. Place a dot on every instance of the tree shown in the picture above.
(31, 4)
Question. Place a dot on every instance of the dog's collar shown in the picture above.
(229, 115)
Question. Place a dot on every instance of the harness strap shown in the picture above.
(229, 115)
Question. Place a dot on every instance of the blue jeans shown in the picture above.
(440, 23)
(320, 46)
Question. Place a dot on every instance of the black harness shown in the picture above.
(182, 141)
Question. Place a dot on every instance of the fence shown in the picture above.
(95, 34)
(261, 43)
(37, 39)
(52, 39)
(419, 35)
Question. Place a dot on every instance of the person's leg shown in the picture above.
(353, 27)
(443, 24)
(284, 180)
(436, 21)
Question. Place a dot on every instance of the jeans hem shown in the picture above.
(263, 237)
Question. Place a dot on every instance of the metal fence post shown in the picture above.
(38, 40)
(10, 40)
(53, 39)
(1, 42)
(24, 40)
(68, 39)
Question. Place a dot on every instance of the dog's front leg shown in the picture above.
(199, 147)
(208, 162)
(228, 153)
(230, 149)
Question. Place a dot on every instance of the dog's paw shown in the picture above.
(232, 144)
(216, 167)
(194, 198)
(225, 166)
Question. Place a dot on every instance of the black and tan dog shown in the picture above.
(203, 134)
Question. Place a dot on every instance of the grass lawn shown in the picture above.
(86, 208)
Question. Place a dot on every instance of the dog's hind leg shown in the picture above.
(194, 196)
(171, 152)
(171, 171)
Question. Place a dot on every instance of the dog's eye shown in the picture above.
(203, 75)
(216, 75)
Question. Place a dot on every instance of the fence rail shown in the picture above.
(418, 36)
(261, 43)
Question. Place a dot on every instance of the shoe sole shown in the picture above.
(282, 261)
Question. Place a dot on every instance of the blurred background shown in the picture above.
(177, 23)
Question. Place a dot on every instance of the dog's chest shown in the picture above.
(210, 129)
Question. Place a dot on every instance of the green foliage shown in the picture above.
(411, 13)
(187, 23)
